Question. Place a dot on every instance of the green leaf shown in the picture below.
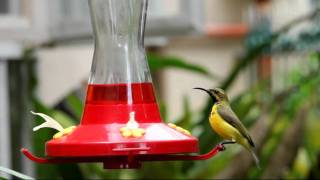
(185, 121)
(75, 104)
(63, 119)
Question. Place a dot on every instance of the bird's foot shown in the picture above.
(228, 142)
(221, 144)
(221, 147)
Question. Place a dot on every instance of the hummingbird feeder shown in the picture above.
(121, 124)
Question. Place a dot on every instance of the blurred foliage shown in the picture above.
(282, 107)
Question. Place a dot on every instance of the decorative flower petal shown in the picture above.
(50, 123)
(132, 123)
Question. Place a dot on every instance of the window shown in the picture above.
(10, 7)
(171, 17)
(3, 7)
(14, 23)
(70, 19)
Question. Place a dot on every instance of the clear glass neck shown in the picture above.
(119, 55)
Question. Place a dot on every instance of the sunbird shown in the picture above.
(226, 123)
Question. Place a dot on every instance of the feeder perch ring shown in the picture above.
(130, 159)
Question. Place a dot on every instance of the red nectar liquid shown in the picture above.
(112, 103)
(135, 93)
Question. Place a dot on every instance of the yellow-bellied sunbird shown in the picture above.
(226, 123)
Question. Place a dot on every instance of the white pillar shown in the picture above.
(5, 145)
(8, 50)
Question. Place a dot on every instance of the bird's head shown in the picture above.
(217, 94)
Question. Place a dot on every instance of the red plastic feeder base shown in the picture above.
(98, 138)
(107, 110)
(106, 140)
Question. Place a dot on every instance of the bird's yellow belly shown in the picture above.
(222, 128)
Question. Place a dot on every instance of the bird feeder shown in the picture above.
(121, 125)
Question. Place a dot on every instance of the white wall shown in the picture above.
(217, 56)
(62, 70)
(226, 11)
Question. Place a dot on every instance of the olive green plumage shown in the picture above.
(230, 117)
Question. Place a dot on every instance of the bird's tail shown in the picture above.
(255, 157)
(249, 147)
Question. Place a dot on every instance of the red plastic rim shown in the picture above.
(120, 162)
(106, 140)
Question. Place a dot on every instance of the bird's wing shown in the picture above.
(230, 117)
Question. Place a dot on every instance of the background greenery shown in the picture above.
(284, 123)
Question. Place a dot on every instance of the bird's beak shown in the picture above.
(207, 91)
(203, 90)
